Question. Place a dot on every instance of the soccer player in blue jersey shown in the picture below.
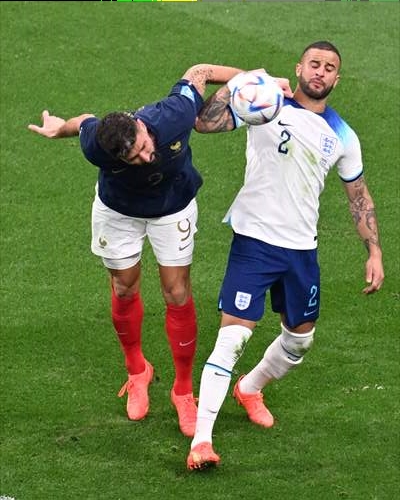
(274, 220)
(146, 187)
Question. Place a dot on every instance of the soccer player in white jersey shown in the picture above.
(274, 220)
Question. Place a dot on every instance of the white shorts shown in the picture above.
(119, 239)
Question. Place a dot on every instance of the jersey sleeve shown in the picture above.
(87, 134)
(186, 89)
(90, 147)
(174, 114)
(350, 165)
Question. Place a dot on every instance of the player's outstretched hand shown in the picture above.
(374, 275)
(284, 84)
(50, 127)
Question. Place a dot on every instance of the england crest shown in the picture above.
(328, 144)
(242, 300)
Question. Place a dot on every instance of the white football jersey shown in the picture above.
(287, 163)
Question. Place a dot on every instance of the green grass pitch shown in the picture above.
(64, 434)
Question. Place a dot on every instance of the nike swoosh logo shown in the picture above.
(284, 124)
(221, 375)
(307, 313)
(183, 248)
(184, 344)
(118, 170)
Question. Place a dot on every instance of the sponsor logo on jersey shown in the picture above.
(328, 145)
(242, 300)
(280, 122)
(118, 170)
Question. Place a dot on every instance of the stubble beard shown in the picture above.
(317, 95)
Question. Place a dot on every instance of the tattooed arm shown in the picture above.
(202, 74)
(215, 115)
(363, 212)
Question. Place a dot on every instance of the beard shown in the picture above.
(314, 94)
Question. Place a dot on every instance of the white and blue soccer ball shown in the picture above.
(256, 98)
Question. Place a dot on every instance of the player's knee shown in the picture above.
(230, 345)
(296, 344)
(176, 295)
(125, 283)
(122, 289)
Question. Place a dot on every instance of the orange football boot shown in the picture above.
(254, 406)
(186, 409)
(137, 405)
(202, 456)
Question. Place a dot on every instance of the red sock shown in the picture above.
(127, 317)
(181, 327)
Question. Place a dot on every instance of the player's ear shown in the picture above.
(298, 69)
(336, 80)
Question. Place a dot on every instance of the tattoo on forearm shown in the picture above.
(364, 215)
(372, 225)
(214, 115)
(369, 242)
(201, 76)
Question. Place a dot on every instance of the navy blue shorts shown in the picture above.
(254, 267)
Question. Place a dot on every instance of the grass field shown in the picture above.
(64, 433)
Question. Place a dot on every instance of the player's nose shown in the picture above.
(146, 156)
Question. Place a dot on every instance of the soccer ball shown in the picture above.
(256, 98)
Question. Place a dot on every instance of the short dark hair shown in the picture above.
(116, 133)
(323, 45)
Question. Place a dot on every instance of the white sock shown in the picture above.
(275, 364)
(285, 353)
(256, 379)
(214, 386)
(216, 377)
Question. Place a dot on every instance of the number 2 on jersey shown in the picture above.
(282, 148)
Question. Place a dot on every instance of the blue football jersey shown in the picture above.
(156, 190)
